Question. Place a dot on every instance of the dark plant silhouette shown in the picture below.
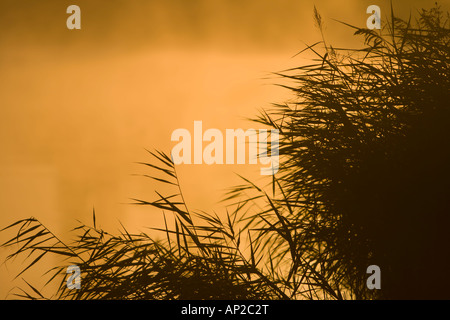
(366, 156)
(364, 179)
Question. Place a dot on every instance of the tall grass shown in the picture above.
(364, 179)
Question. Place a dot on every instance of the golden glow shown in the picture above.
(78, 107)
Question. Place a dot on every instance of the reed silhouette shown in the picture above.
(365, 150)
(364, 179)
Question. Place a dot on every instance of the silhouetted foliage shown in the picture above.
(366, 156)
(364, 180)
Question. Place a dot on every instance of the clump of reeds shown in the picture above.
(365, 158)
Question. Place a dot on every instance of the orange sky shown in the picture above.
(78, 107)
